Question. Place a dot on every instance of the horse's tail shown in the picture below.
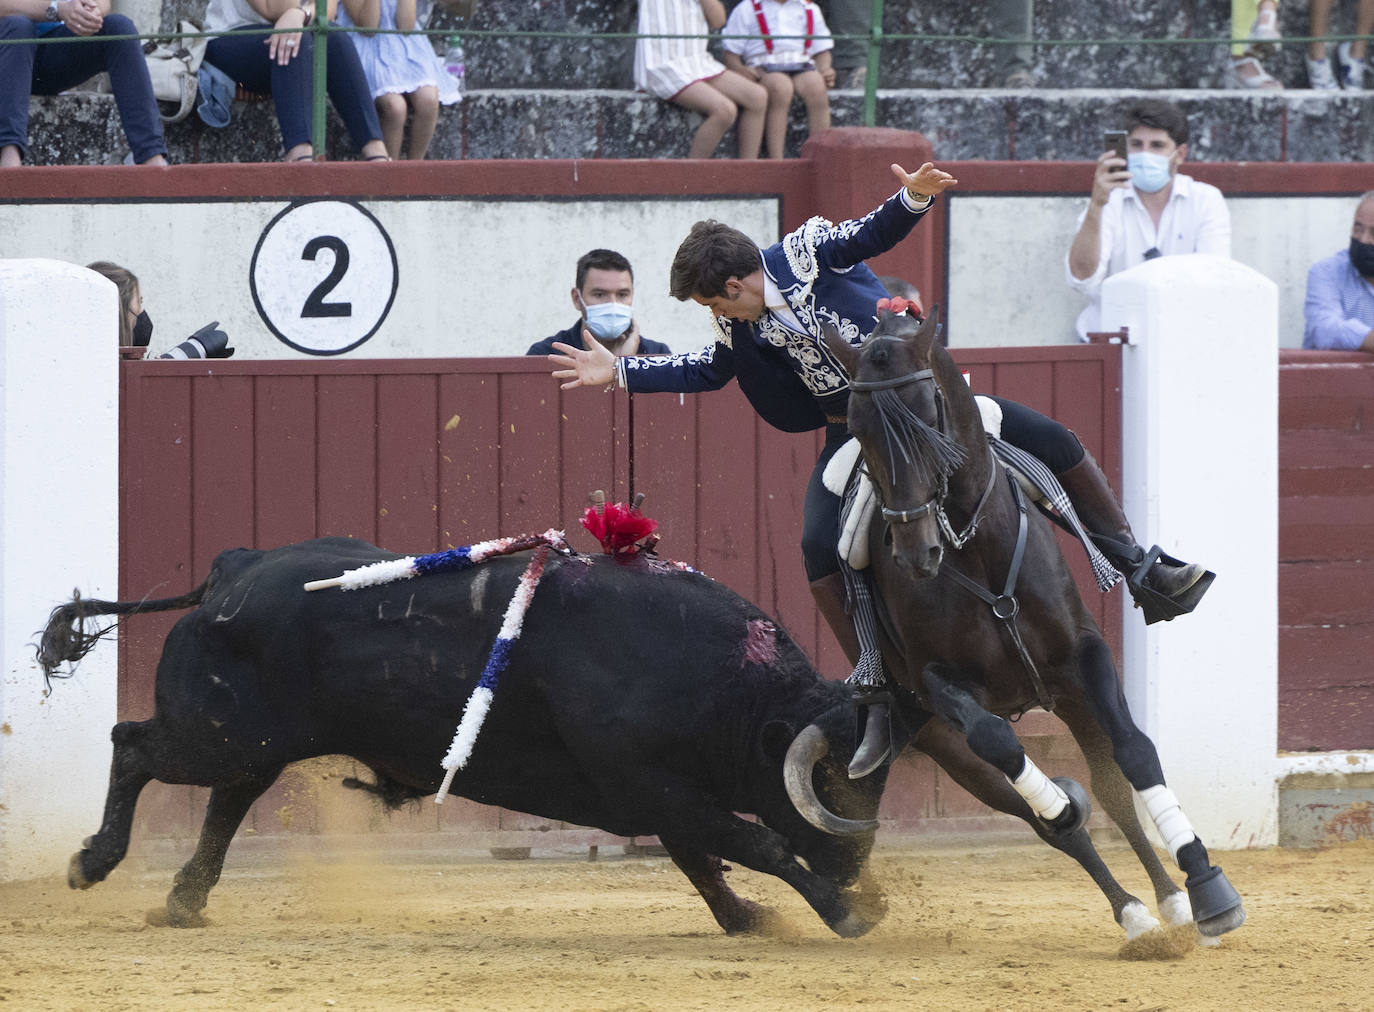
(67, 636)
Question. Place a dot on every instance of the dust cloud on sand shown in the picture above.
(968, 930)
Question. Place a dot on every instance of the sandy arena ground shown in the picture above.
(989, 928)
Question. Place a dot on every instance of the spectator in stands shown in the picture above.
(403, 74)
(1340, 290)
(1143, 208)
(1257, 22)
(54, 67)
(680, 70)
(283, 66)
(1350, 55)
(136, 329)
(758, 47)
(604, 295)
(1008, 19)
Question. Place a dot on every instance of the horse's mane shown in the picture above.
(928, 451)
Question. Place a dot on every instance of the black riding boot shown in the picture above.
(830, 596)
(1162, 586)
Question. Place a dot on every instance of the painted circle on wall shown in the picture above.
(324, 276)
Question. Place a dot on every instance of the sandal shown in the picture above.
(1248, 72)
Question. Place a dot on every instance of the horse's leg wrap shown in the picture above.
(1046, 798)
(1169, 819)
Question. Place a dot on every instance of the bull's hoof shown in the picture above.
(1071, 819)
(76, 876)
(1216, 904)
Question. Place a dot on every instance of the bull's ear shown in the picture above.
(839, 347)
(776, 739)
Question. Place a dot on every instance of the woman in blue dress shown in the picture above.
(403, 72)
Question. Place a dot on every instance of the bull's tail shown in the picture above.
(72, 632)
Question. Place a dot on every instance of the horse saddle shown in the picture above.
(858, 514)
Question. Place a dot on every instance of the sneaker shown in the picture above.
(1319, 75)
(1018, 79)
(1349, 70)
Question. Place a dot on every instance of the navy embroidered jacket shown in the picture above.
(791, 379)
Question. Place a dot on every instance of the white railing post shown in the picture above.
(1200, 478)
(59, 529)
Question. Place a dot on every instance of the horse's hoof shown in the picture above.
(1216, 904)
(852, 926)
(76, 877)
(175, 915)
(1176, 909)
(1071, 819)
(1136, 920)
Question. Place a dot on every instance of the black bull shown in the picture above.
(639, 699)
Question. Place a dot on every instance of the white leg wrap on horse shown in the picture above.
(1168, 817)
(1044, 796)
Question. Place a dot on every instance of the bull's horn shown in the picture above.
(807, 749)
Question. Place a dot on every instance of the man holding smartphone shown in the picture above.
(1142, 207)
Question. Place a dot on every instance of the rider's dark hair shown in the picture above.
(711, 255)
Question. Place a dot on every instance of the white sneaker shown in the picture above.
(1319, 75)
(1349, 69)
(1264, 33)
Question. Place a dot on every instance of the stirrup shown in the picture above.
(1159, 607)
(876, 744)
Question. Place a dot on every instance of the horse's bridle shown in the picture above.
(1004, 606)
(957, 539)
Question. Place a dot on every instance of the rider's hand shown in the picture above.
(925, 182)
(592, 366)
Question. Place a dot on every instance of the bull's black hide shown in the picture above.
(640, 699)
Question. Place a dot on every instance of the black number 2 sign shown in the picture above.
(324, 276)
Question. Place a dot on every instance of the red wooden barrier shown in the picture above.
(420, 455)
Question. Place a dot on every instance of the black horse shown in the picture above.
(980, 618)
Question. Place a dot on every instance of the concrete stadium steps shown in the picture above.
(962, 124)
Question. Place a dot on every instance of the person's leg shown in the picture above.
(132, 87)
(852, 18)
(348, 90)
(1011, 19)
(779, 89)
(391, 114)
(719, 112)
(751, 101)
(424, 117)
(1364, 25)
(810, 87)
(1318, 21)
(1093, 499)
(16, 84)
(243, 57)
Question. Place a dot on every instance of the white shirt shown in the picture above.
(1195, 220)
(741, 34)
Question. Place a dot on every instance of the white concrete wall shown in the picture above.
(1006, 261)
(1200, 478)
(471, 277)
(59, 507)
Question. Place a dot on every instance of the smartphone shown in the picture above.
(1115, 142)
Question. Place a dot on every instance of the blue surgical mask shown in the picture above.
(609, 320)
(1149, 171)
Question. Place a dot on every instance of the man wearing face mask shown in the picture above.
(1340, 290)
(604, 296)
(1143, 208)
